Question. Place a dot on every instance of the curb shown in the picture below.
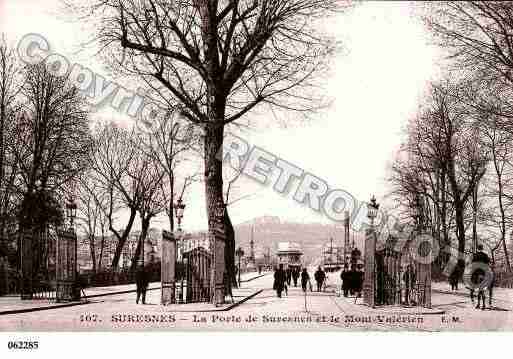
(392, 312)
(250, 279)
(59, 306)
(234, 305)
(230, 307)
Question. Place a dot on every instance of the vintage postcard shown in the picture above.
(255, 165)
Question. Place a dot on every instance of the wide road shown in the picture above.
(316, 311)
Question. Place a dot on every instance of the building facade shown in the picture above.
(289, 254)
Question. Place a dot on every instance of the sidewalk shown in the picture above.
(14, 304)
(348, 305)
(502, 295)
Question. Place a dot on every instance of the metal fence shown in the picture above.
(123, 276)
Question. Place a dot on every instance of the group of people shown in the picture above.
(482, 278)
(284, 277)
(352, 281)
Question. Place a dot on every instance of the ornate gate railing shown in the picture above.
(197, 273)
(388, 275)
(187, 264)
(66, 273)
(397, 273)
(37, 279)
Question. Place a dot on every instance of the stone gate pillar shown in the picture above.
(369, 283)
(66, 269)
(27, 272)
(167, 269)
(423, 254)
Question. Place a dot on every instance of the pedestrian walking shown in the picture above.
(305, 280)
(289, 275)
(319, 278)
(141, 283)
(295, 276)
(480, 261)
(279, 280)
(345, 277)
(454, 278)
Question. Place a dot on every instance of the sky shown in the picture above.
(376, 85)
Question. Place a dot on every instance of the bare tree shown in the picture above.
(148, 177)
(477, 35)
(49, 149)
(111, 162)
(499, 143)
(92, 203)
(215, 61)
(10, 85)
(444, 161)
(171, 145)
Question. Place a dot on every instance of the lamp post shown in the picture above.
(71, 213)
(372, 210)
(370, 274)
(239, 253)
(179, 209)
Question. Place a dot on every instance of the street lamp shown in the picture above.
(71, 211)
(372, 209)
(372, 212)
(239, 253)
(179, 209)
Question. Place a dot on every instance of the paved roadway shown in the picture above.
(323, 311)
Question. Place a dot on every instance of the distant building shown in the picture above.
(289, 254)
(152, 250)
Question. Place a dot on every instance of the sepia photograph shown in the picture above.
(255, 166)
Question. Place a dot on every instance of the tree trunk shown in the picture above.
(214, 203)
(501, 207)
(229, 252)
(474, 217)
(458, 209)
(145, 224)
(122, 239)
(93, 252)
(102, 246)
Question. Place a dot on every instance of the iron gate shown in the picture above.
(186, 268)
(37, 255)
(397, 273)
(388, 275)
(197, 266)
(66, 288)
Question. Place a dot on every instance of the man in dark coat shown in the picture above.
(454, 278)
(345, 276)
(319, 278)
(141, 282)
(479, 274)
(279, 280)
(295, 276)
(305, 279)
(289, 275)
